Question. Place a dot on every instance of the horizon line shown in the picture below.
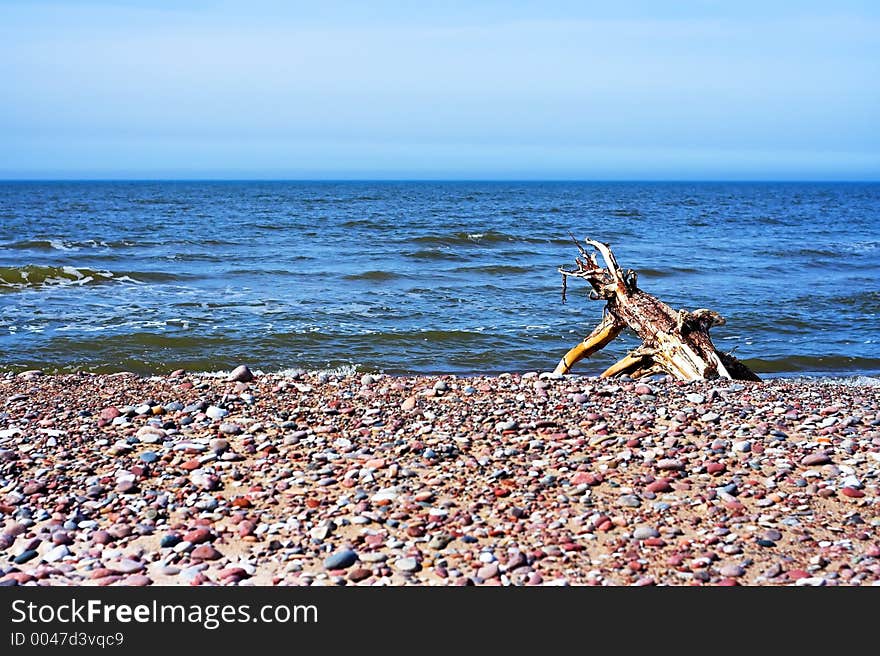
(452, 179)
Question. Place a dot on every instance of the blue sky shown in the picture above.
(497, 90)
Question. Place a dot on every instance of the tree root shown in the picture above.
(673, 342)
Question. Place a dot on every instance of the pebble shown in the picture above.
(815, 459)
(439, 542)
(494, 481)
(219, 444)
(137, 581)
(56, 553)
(205, 552)
(373, 557)
(169, 540)
(487, 572)
(660, 485)
(109, 413)
(731, 570)
(240, 374)
(216, 413)
(126, 485)
(772, 534)
(341, 559)
(406, 564)
(645, 532)
(126, 566)
(25, 556)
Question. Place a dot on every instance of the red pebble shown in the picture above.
(233, 572)
(205, 552)
(108, 580)
(715, 468)
(198, 536)
(660, 485)
(138, 581)
(852, 492)
(585, 478)
(110, 413)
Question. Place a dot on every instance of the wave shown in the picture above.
(665, 273)
(495, 269)
(828, 250)
(434, 254)
(35, 276)
(458, 238)
(66, 245)
(377, 276)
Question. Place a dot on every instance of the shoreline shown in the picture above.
(321, 478)
(580, 372)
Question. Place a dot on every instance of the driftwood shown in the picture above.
(673, 342)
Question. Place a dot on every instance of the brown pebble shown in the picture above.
(205, 552)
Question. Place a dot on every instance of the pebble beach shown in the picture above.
(369, 479)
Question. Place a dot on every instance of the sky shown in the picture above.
(766, 90)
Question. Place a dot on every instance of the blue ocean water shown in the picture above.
(405, 277)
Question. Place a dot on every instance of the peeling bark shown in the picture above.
(673, 342)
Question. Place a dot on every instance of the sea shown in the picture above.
(425, 277)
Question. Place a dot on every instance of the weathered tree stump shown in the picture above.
(673, 342)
